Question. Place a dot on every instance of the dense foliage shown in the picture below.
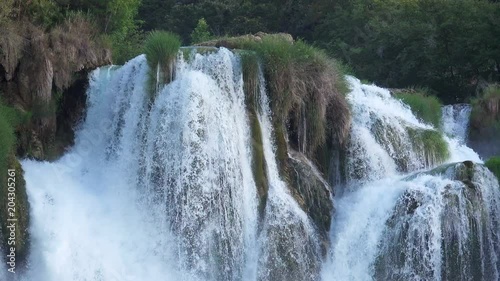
(450, 47)
(115, 20)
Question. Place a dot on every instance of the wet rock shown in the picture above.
(312, 193)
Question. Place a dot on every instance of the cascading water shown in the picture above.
(161, 188)
(437, 225)
(455, 119)
(291, 250)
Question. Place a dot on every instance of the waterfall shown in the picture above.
(456, 121)
(401, 222)
(291, 250)
(162, 189)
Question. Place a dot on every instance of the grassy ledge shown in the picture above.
(424, 106)
(161, 49)
(306, 90)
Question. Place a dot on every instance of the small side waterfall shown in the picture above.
(456, 121)
(291, 249)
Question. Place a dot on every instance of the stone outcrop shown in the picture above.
(312, 192)
(36, 70)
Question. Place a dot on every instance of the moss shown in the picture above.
(161, 49)
(431, 145)
(259, 164)
(424, 106)
(494, 165)
(21, 213)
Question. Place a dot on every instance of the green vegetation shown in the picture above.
(7, 136)
(424, 106)
(396, 44)
(494, 165)
(115, 20)
(305, 85)
(431, 145)
(9, 120)
(486, 109)
(161, 49)
(201, 33)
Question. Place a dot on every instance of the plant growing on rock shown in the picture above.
(424, 106)
(161, 49)
(306, 91)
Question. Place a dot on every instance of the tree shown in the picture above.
(201, 33)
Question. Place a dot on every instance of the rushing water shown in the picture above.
(159, 186)
(427, 226)
(456, 121)
(163, 190)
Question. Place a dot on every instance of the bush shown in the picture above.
(6, 9)
(494, 165)
(424, 106)
(161, 49)
(201, 33)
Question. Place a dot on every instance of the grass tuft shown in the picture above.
(306, 86)
(424, 106)
(161, 49)
(431, 145)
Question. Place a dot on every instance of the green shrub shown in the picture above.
(161, 49)
(6, 10)
(425, 107)
(494, 165)
(201, 32)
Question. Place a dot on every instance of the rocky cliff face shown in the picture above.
(43, 75)
(37, 70)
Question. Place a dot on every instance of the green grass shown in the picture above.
(431, 145)
(494, 165)
(303, 82)
(9, 119)
(161, 49)
(424, 106)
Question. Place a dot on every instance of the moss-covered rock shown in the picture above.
(37, 79)
(312, 193)
(13, 193)
(468, 229)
